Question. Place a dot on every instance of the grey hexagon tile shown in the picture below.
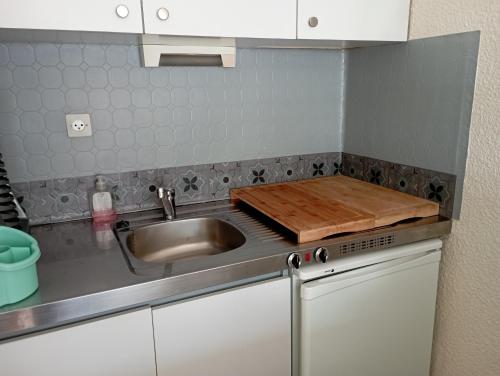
(7, 101)
(161, 97)
(157, 117)
(47, 54)
(118, 77)
(36, 143)
(96, 77)
(104, 140)
(77, 99)
(159, 77)
(116, 56)
(85, 162)
(53, 99)
(71, 54)
(141, 98)
(21, 54)
(29, 100)
(32, 122)
(10, 123)
(139, 77)
(50, 77)
(93, 55)
(25, 77)
(122, 118)
(4, 54)
(73, 77)
(6, 79)
(120, 98)
(99, 99)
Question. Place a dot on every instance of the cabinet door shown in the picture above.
(244, 332)
(81, 15)
(119, 345)
(360, 20)
(221, 18)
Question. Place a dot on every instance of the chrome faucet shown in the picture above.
(167, 197)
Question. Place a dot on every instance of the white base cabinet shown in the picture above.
(244, 332)
(120, 345)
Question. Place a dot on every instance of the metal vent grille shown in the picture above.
(361, 245)
(253, 226)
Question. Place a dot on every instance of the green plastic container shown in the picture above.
(19, 253)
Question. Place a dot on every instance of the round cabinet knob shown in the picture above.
(294, 260)
(313, 21)
(163, 14)
(122, 11)
(321, 254)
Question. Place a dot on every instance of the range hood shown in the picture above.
(161, 51)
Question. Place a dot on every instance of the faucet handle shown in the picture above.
(165, 192)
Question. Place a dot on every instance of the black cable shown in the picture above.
(8, 213)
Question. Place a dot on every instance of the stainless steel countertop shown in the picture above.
(82, 277)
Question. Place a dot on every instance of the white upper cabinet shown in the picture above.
(353, 20)
(121, 16)
(221, 18)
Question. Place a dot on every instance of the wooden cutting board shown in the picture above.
(316, 208)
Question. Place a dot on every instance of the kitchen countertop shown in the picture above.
(81, 276)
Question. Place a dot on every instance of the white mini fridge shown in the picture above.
(367, 315)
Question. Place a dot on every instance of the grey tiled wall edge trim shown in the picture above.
(432, 185)
(56, 200)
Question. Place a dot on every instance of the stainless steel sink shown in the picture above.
(183, 239)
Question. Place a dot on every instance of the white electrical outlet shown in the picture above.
(78, 125)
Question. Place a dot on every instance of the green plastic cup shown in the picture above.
(19, 253)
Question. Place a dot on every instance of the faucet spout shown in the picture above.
(167, 197)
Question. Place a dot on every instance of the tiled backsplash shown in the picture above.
(65, 199)
(275, 102)
(428, 184)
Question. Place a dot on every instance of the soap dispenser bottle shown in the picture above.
(101, 202)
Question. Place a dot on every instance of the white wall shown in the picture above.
(467, 337)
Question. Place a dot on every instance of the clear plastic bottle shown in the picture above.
(101, 202)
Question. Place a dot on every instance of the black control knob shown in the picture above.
(321, 254)
(294, 260)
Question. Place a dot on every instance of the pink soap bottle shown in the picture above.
(101, 202)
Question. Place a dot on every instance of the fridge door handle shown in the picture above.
(317, 288)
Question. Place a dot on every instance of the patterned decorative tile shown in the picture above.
(64, 199)
(192, 183)
(291, 168)
(316, 166)
(404, 179)
(223, 177)
(428, 184)
(353, 166)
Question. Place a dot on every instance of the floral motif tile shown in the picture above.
(192, 184)
(223, 177)
(64, 199)
(428, 184)
(291, 168)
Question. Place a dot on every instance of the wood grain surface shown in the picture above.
(316, 208)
